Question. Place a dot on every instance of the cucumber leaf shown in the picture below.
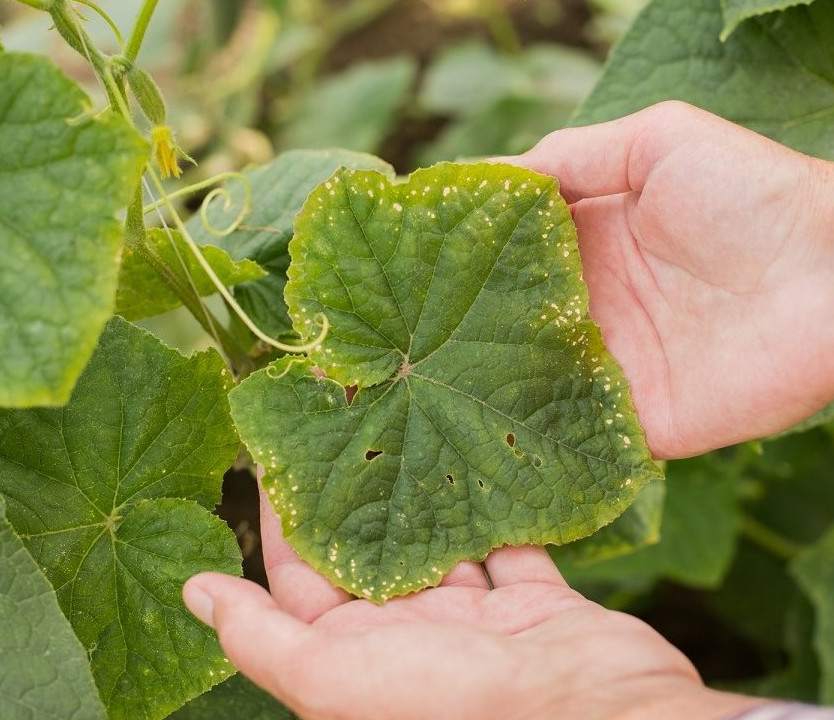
(488, 410)
(111, 495)
(774, 74)
(63, 176)
(44, 668)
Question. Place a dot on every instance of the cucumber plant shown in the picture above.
(411, 361)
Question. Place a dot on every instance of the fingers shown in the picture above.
(258, 638)
(510, 565)
(466, 574)
(612, 157)
(296, 587)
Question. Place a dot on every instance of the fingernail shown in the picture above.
(200, 603)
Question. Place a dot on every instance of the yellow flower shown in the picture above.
(165, 151)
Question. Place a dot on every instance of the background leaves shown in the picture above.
(64, 176)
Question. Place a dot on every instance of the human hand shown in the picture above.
(708, 252)
(530, 648)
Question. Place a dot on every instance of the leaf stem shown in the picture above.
(137, 35)
(768, 539)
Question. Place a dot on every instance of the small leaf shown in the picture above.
(458, 310)
(773, 74)
(236, 697)
(142, 292)
(64, 176)
(737, 11)
(278, 192)
(44, 670)
(111, 494)
(814, 571)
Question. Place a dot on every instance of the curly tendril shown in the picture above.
(221, 192)
(320, 319)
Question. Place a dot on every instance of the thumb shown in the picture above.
(260, 640)
(612, 157)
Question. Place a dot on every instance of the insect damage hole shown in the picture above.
(450, 480)
(372, 454)
(510, 439)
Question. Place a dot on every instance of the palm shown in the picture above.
(447, 651)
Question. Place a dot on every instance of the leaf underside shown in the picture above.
(63, 177)
(111, 495)
(488, 411)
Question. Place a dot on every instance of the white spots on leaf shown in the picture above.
(397, 207)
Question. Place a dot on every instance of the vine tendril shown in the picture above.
(320, 319)
(214, 194)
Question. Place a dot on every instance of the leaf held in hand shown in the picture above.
(488, 410)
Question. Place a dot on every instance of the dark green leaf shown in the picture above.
(63, 176)
(488, 411)
(237, 697)
(775, 73)
(697, 530)
(111, 495)
(44, 670)
(278, 192)
(142, 292)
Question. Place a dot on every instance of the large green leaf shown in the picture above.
(111, 495)
(774, 74)
(44, 669)
(488, 410)
(142, 292)
(737, 11)
(354, 109)
(236, 697)
(278, 191)
(63, 176)
(814, 571)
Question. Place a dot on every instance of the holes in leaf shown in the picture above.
(450, 480)
(371, 454)
(480, 483)
(537, 461)
(510, 439)
(350, 391)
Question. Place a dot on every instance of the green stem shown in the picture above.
(137, 35)
(768, 539)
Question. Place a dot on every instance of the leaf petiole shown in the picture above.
(137, 35)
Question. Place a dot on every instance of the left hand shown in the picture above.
(529, 648)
